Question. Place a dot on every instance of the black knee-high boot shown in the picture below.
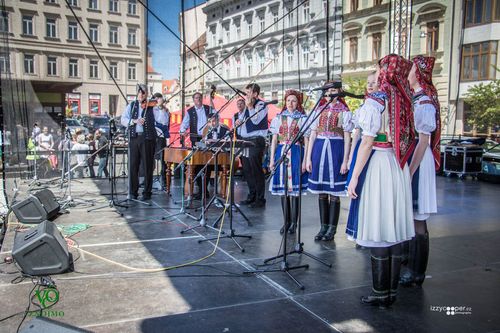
(323, 216)
(396, 257)
(417, 261)
(285, 207)
(333, 218)
(381, 270)
(294, 214)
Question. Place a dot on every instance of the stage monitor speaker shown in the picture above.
(41, 250)
(38, 207)
(45, 325)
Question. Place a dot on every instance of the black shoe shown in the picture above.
(258, 204)
(247, 202)
(146, 197)
(134, 196)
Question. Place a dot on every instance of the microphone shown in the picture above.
(274, 101)
(336, 85)
(345, 94)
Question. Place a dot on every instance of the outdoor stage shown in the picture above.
(214, 296)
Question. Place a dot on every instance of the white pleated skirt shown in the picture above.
(426, 201)
(386, 210)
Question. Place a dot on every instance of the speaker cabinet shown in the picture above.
(41, 250)
(38, 207)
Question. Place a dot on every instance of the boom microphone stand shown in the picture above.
(284, 266)
(111, 203)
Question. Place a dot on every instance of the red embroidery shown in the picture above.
(287, 133)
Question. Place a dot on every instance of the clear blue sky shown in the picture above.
(165, 46)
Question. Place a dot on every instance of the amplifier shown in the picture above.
(463, 159)
(37, 207)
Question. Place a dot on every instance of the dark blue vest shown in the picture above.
(251, 127)
(149, 123)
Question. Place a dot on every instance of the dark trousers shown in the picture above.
(252, 168)
(141, 150)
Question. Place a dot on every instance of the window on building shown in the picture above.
(305, 13)
(4, 64)
(28, 25)
(29, 64)
(227, 34)
(353, 49)
(249, 65)
(132, 33)
(432, 42)
(131, 71)
(73, 67)
(249, 27)
(93, 4)
(376, 46)
(113, 6)
(113, 34)
(4, 22)
(479, 60)
(481, 11)
(377, 2)
(262, 61)
(50, 1)
(291, 21)
(325, 7)
(289, 59)
(214, 38)
(73, 3)
(52, 66)
(262, 22)
(305, 56)
(94, 32)
(94, 69)
(238, 67)
(51, 28)
(275, 19)
(238, 30)
(354, 5)
(132, 7)
(72, 31)
(323, 53)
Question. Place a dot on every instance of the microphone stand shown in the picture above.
(298, 248)
(111, 203)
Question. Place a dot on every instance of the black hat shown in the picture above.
(142, 87)
(158, 95)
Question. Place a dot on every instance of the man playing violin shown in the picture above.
(139, 118)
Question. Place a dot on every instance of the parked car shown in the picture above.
(73, 124)
(99, 123)
(491, 164)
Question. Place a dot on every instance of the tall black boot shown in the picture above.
(407, 275)
(417, 261)
(294, 214)
(381, 270)
(333, 218)
(396, 258)
(422, 258)
(285, 207)
(323, 216)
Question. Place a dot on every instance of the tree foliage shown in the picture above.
(355, 86)
(484, 102)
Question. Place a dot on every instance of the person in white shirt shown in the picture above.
(81, 157)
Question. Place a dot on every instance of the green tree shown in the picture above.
(484, 102)
(355, 86)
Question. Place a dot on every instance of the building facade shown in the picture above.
(277, 44)
(476, 60)
(46, 46)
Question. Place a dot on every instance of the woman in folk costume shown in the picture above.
(327, 157)
(284, 127)
(424, 163)
(380, 187)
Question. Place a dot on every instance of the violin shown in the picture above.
(208, 128)
(148, 104)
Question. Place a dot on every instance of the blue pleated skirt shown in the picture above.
(297, 179)
(327, 156)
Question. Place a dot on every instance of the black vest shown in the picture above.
(149, 123)
(193, 122)
(251, 127)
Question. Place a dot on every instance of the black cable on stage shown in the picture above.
(241, 47)
(95, 49)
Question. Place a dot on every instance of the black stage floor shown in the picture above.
(214, 296)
